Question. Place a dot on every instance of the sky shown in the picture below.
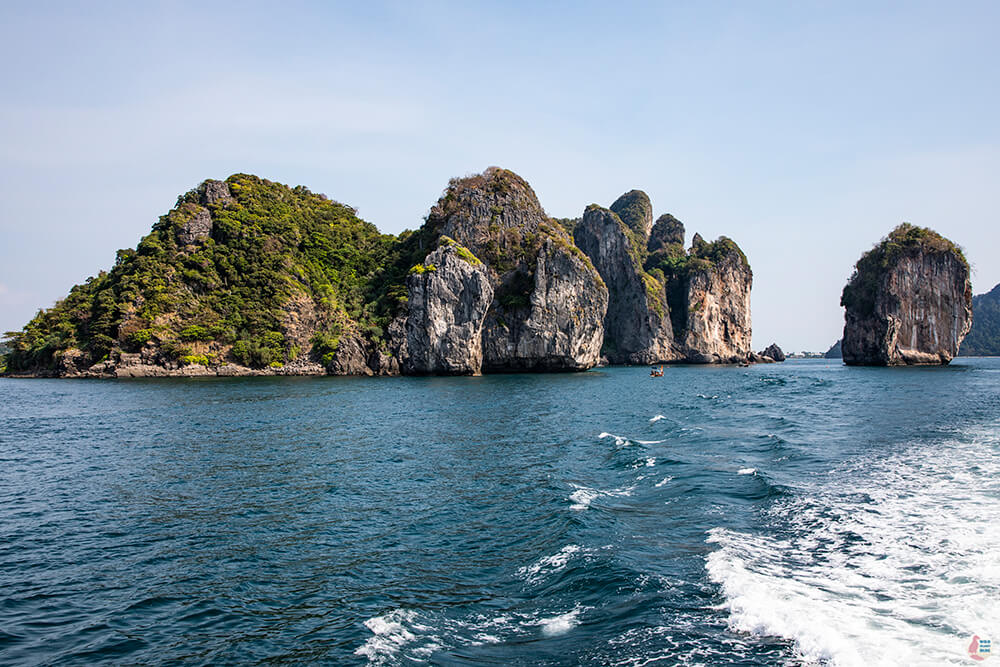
(805, 131)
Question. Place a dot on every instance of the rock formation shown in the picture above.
(546, 302)
(666, 304)
(448, 298)
(834, 351)
(773, 352)
(909, 301)
(717, 314)
(637, 326)
(250, 277)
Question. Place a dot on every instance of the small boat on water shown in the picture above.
(655, 372)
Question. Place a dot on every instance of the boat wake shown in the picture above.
(892, 561)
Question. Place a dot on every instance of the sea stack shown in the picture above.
(909, 301)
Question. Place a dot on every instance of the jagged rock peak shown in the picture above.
(667, 231)
(212, 192)
(636, 211)
(909, 301)
(490, 213)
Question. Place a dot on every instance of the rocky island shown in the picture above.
(909, 301)
(250, 277)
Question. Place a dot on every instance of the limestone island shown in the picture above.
(250, 277)
(908, 302)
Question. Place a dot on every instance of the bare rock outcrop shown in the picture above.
(909, 301)
(666, 303)
(539, 300)
(561, 327)
(773, 352)
(717, 297)
(448, 298)
(637, 328)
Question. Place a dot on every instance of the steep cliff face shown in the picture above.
(448, 298)
(561, 326)
(637, 327)
(545, 304)
(666, 303)
(908, 302)
(718, 328)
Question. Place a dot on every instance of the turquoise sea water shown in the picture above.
(783, 514)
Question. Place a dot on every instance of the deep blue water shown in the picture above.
(778, 514)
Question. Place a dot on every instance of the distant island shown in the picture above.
(984, 338)
(250, 277)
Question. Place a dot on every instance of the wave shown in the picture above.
(549, 564)
(583, 496)
(390, 634)
(405, 635)
(620, 441)
(746, 471)
(656, 419)
(891, 561)
(561, 624)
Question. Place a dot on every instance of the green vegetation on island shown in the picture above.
(218, 276)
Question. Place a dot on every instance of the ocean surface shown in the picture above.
(796, 513)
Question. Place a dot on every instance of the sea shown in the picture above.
(803, 513)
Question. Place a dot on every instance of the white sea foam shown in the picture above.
(664, 481)
(889, 561)
(650, 442)
(656, 419)
(585, 495)
(549, 564)
(746, 471)
(560, 625)
(620, 441)
(389, 635)
(707, 397)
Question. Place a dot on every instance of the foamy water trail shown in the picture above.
(890, 561)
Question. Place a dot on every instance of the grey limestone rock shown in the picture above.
(448, 299)
(908, 302)
(718, 327)
(545, 302)
(637, 328)
(197, 227)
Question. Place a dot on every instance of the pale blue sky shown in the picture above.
(805, 131)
